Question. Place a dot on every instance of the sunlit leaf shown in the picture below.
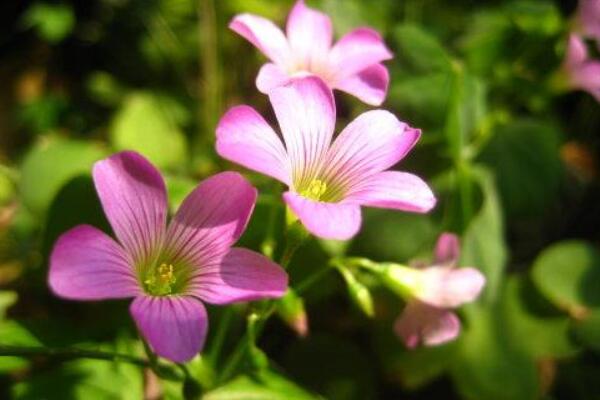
(53, 22)
(50, 164)
(568, 274)
(267, 385)
(150, 125)
(484, 246)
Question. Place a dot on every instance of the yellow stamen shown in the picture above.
(160, 280)
(315, 190)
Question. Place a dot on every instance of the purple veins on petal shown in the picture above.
(166, 270)
(328, 179)
(352, 65)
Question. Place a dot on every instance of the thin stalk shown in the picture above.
(219, 338)
(68, 353)
(210, 84)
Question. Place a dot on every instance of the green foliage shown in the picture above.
(525, 156)
(50, 164)
(568, 274)
(151, 125)
(267, 385)
(483, 242)
(52, 22)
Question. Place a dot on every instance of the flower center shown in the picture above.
(159, 281)
(315, 190)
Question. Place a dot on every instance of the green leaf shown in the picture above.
(7, 188)
(382, 232)
(50, 164)
(83, 379)
(7, 299)
(532, 325)
(178, 189)
(568, 274)
(150, 125)
(488, 366)
(267, 385)
(420, 49)
(75, 204)
(525, 156)
(484, 246)
(535, 17)
(423, 99)
(52, 22)
(329, 365)
(587, 330)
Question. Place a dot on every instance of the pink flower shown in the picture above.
(427, 318)
(328, 182)
(588, 18)
(352, 65)
(582, 72)
(168, 269)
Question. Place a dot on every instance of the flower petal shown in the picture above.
(371, 143)
(240, 275)
(588, 16)
(420, 323)
(576, 52)
(210, 219)
(309, 33)
(174, 326)
(358, 50)
(86, 264)
(264, 35)
(244, 137)
(271, 76)
(326, 220)
(369, 85)
(134, 199)
(450, 287)
(305, 110)
(447, 249)
(393, 189)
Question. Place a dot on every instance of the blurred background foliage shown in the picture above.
(513, 163)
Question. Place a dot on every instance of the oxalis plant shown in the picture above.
(173, 266)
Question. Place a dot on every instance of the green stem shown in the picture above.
(219, 338)
(209, 60)
(296, 235)
(311, 280)
(66, 353)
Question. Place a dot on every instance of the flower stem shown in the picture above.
(67, 353)
(219, 338)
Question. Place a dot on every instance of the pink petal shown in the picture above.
(86, 264)
(358, 50)
(210, 219)
(244, 137)
(588, 15)
(369, 85)
(264, 35)
(305, 110)
(310, 34)
(271, 76)
(450, 287)
(240, 275)
(393, 189)
(174, 326)
(134, 199)
(587, 76)
(576, 51)
(371, 143)
(326, 220)
(420, 323)
(447, 249)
